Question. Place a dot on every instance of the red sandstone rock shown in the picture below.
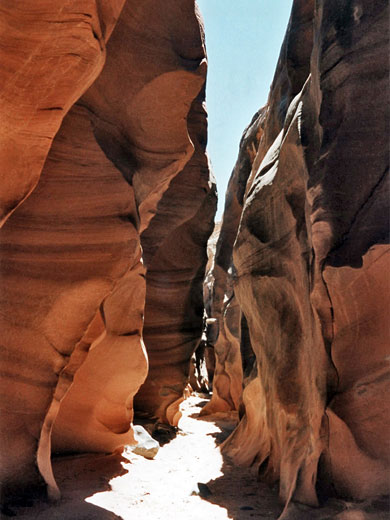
(174, 304)
(227, 381)
(73, 283)
(146, 136)
(312, 261)
(175, 255)
(52, 290)
(50, 54)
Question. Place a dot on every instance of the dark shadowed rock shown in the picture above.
(222, 309)
(311, 261)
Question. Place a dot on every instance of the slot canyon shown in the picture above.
(142, 341)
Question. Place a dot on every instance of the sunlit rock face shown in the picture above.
(103, 110)
(175, 254)
(50, 55)
(311, 261)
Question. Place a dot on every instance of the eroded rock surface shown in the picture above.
(222, 310)
(51, 53)
(176, 263)
(72, 275)
(311, 260)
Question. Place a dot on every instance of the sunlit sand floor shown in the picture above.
(188, 480)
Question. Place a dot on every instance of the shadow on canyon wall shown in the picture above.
(79, 477)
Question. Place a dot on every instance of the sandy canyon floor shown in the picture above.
(188, 480)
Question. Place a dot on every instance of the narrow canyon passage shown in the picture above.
(124, 294)
(189, 479)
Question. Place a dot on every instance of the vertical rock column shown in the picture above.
(285, 391)
(348, 189)
(138, 111)
(175, 251)
(223, 332)
(174, 247)
(51, 288)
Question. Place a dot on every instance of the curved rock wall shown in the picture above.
(72, 274)
(175, 271)
(51, 53)
(223, 312)
(311, 260)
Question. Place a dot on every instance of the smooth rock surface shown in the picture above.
(175, 254)
(72, 275)
(311, 261)
(51, 53)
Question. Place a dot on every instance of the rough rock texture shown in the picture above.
(227, 381)
(222, 310)
(312, 261)
(72, 277)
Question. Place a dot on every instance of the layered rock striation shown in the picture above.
(311, 261)
(222, 310)
(176, 264)
(103, 110)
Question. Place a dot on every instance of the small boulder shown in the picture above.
(146, 446)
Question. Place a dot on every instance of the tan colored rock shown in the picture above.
(146, 446)
(174, 249)
(311, 258)
(148, 141)
(284, 334)
(175, 273)
(222, 309)
(227, 380)
(51, 290)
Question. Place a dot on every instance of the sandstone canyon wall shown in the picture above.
(223, 311)
(311, 261)
(102, 155)
(176, 262)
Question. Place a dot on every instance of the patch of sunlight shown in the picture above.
(167, 486)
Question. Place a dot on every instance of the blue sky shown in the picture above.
(243, 39)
